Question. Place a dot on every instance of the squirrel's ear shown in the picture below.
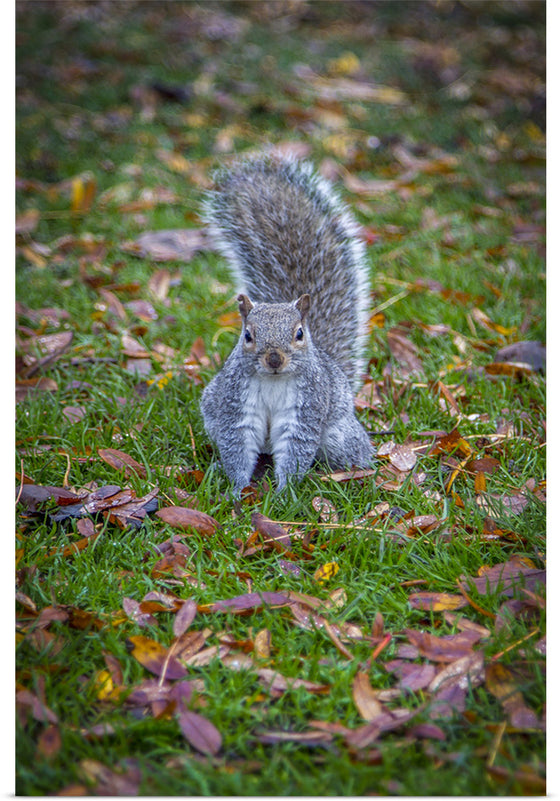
(245, 306)
(302, 305)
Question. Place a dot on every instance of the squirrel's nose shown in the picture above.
(274, 359)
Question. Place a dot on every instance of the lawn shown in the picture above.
(375, 632)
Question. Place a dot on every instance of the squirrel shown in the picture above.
(287, 387)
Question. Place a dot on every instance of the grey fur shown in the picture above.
(285, 389)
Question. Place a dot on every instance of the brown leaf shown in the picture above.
(401, 456)
(450, 443)
(74, 413)
(277, 683)
(464, 624)
(446, 648)
(187, 519)
(250, 601)
(184, 617)
(172, 245)
(504, 578)
(155, 657)
(263, 644)
(500, 681)
(326, 509)
(122, 461)
(467, 671)
(159, 283)
(436, 601)
(31, 496)
(112, 783)
(26, 386)
(86, 527)
(40, 711)
(364, 736)
(133, 512)
(200, 732)
(188, 644)
(364, 697)
(49, 742)
(205, 656)
(486, 464)
(412, 677)
(427, 731)
(132, 610)
(530, 782)
(272, 532)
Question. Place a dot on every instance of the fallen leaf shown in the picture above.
(40, 711)
(326, 572)
(263, 644)
(187, 519)
(122, 461)
(49, 742)
(529, 781)
(132, 610)
(155, 657)
(504, 578)
(277, 683)
(248, 602)
(500, 681)
(199, 732)
(272, 532)
(326, 509)
(436, 601)
(401, 456)
(412, 677)
(184, 617)
(173, 245)
(108, 782)
(446, 648)
(364, 697)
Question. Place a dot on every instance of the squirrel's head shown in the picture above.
(276, 334)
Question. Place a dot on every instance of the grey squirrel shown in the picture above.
(286, 388)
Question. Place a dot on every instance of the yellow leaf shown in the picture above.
(326, 572)
(262, 644)
(105, 688)
(346, 64)
(78, 194)
(479, 482)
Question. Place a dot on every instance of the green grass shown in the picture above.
(78, 69)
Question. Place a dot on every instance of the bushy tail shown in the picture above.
(285, 233)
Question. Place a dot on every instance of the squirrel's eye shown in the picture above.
(299, 334)
(248, 337)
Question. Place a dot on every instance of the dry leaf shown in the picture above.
(122, 461)
(200, 732)
(187, 519)
(155, 657)
(365, 698)
(436, 601)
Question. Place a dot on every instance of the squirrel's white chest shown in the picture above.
(269, 410)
